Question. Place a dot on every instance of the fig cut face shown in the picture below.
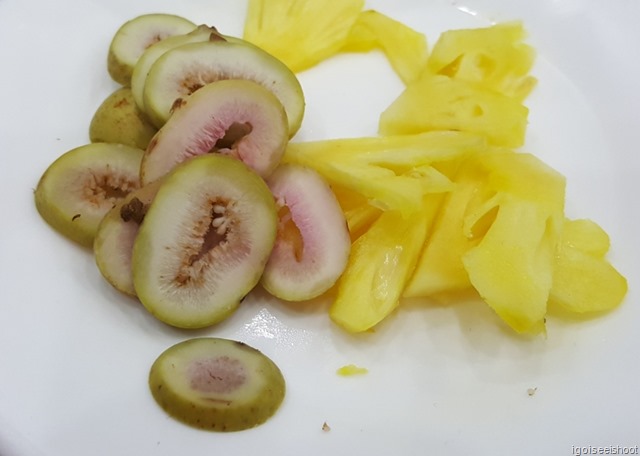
(313, 244)
(204, 242)
(234, 117)
(82, 185)
(185, 69)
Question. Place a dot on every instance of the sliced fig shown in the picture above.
(183, 70)
(217, 384)
(119, 120)
(113, 244)
(239, 118)
(81, 186)
(313, 244)
(204, 242)
(153, 53)
(136, 35)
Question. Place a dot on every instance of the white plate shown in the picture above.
(74, 354)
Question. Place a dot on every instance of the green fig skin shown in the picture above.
(119, 120)
(217, 384)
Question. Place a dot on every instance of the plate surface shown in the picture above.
(75, 354)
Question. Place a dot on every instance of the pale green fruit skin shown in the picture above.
(118, 120)
(185, 198)
(137, 34)
(113, 243)
(168, 83)
(245, 407)
(61, 193)
(155, 51)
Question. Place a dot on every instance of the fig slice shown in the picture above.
(183, 70)
(119, 120)
(82, 185)
(312, 244)
(239, 118)
(217, 384)
(205, 240)
(136, 35)
(153, 53)
(113, 244)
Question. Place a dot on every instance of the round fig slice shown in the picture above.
(313, 244)
(153, 53)
(81, 186)
(217, 384)
(118, 120)
(205, 240)
(113, 244)
(239, 118)
(136, 35)
(185, 69)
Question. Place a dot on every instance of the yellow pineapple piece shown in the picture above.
(583, 280)
(512, 266)
(494, 57)
(404, 47)
(390, 172)
(301, 33)
(586, 235)
(442, 103)
(357, 211)
(381, 262)
(440, 269)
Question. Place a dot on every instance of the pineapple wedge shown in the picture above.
(405, 48)
(442, 103)
(512, 266)
(390, 172)
(381, 262)
(583, 280)
(440, 269)
(493, 57)
(301, 33)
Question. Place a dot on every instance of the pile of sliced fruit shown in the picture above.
(192, 192)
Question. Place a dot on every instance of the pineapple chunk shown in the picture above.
(493, 57)
(301, 33)
(587, 236)
(442, 103)
(512, 266)
(390, 172)
(404, 47)
(381, 261)
(583, 280)
(440, 269)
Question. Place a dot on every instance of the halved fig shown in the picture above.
(234, 117)
(113, 244)
(81, 186)
(205, 240)
(313, 244)
(217, 384)
(153, 53)
(119, 120)
(136, 35)
(185, 69)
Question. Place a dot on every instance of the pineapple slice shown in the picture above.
(390, 172)
(512, 266)
(440, 269)
(583, 280)
(493, 57)
(442, 103)
(358, 212)
(381, 261)
(301, 33)
(404, 47)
